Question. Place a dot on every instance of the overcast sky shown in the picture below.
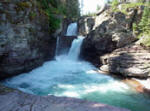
(91, 5)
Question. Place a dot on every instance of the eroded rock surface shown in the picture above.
(112, 45)
(109, 32)
(18, 101)
(25, 42)
(132, 60)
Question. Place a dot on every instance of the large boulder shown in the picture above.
(25, 42)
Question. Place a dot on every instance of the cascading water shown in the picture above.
(57, 45)
(75, 48)
(72, 29)
(67, 76)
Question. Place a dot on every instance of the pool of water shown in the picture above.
(74, 78)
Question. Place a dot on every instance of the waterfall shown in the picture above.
(76, 44)
(67, 76)
(72, 29)
(57, 46)
(75, 48)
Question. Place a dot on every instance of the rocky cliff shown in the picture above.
(25, 42)
(111, 31)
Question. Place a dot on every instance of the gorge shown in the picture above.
(70, 77)
(55, 60)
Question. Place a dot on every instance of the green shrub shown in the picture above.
(32, 15)
(52, 8)
(135, 28)
(114, 5)
(49, 7)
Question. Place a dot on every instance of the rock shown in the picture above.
(145, 83)
(110, 32)
(64, 44)
(16, 100)
(25, 42)
(85, 25)
(132, 60)
(104, 7)
(104, 68)
(93, 47)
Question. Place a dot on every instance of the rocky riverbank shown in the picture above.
(13, 100)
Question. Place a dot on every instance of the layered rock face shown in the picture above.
(132, 60)
(109, 32)
(111, 44)
(25, 42)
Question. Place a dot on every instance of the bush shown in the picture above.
(50, 8)
(115, 5)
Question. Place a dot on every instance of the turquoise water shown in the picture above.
(72, 78)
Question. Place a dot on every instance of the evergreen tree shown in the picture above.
(144, 25)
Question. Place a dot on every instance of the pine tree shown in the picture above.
(144, 25)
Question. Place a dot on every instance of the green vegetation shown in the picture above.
(114, 5)
(54, 8)
(22, 5)
(144, 25)
(49, 7)
(125, 7)
(32, 15)
(141, 29)
(146, 40)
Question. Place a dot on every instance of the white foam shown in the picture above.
(72, 29)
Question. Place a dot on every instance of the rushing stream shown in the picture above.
(71, 77)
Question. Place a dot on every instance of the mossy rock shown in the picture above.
(32, 15)
(22, 6)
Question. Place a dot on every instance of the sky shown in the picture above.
(91, 5)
